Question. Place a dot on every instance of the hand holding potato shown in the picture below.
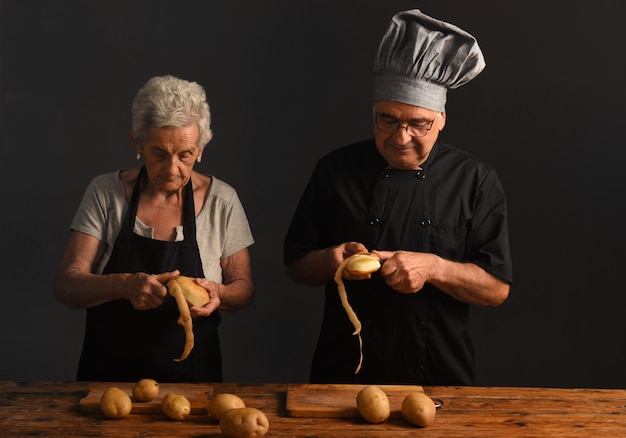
(212, 288)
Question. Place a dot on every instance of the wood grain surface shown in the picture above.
(339, 401)
(51, 409)
(198, 396)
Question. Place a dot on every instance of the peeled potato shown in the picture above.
(145, 390)
(222, 403)
(373, 404)
(195, 294)
(419, 409)
(362, 263)
(115, 403)
(176, 406)
(244, 423)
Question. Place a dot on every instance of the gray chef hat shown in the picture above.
(420, 57)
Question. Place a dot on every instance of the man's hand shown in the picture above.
(319, 266)
(406, 271)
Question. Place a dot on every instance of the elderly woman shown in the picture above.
(136, 229)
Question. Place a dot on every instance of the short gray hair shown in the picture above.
(167, 101)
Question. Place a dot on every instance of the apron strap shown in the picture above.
(189, 207)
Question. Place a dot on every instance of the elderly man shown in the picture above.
(434, 215)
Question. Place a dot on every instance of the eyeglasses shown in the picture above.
(391, 126)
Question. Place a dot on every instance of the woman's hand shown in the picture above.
(214, 298)
(148, 291)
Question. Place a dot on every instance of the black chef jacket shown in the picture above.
(125, 344)
(454, 207)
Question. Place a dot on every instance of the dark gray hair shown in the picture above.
(167, 101)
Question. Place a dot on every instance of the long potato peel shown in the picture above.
(184, 319)
(361, 263)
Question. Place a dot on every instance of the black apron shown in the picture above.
(125, 344)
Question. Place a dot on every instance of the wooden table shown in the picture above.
(52, 409)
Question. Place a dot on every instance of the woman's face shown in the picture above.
(169, 155)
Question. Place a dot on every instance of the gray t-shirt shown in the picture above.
(222, 228)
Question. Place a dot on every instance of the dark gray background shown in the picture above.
(288, 81)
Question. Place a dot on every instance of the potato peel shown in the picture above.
(361, 263)
(184, 319)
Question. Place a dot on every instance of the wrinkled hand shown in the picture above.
(148, 291)
(406, 271)
(214, 298)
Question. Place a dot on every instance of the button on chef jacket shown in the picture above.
(124, 344)
(454, 207)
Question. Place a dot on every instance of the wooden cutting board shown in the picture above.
(338, 401)
(197, 394)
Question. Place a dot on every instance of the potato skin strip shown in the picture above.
(363, 263)
(344, 297)
(184, 319)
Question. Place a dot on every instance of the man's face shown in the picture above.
(402, 150)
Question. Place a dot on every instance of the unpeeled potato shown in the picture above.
(115, 403)
(244, 423)
(145, 390)
(419, 409)
(222, 403)
(373, 404)
(176, 406)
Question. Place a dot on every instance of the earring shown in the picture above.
(139, 155)
(199, 158)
